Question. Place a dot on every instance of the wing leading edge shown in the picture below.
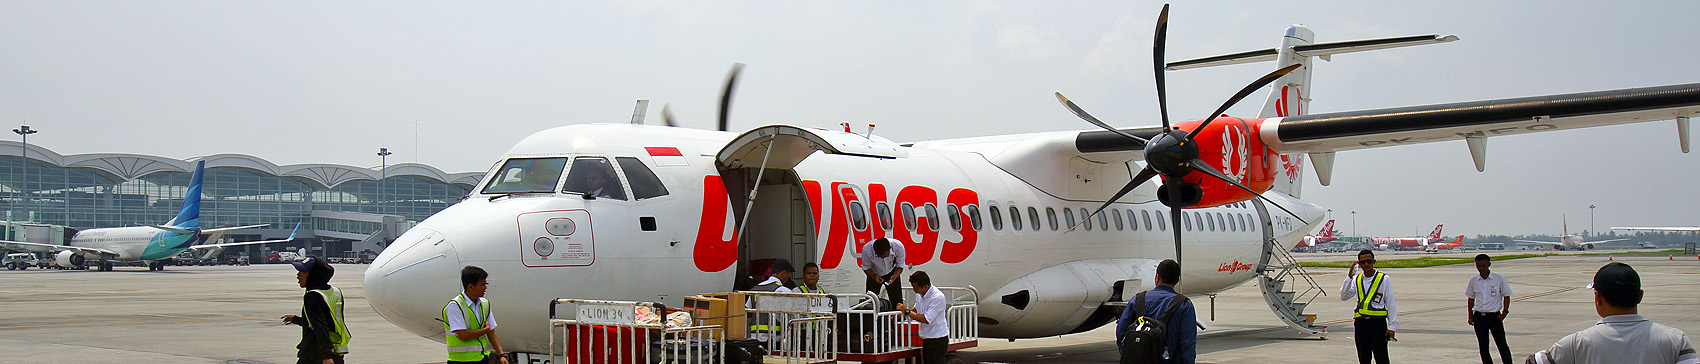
(1330, 132)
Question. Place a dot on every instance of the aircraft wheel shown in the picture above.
(23, 267)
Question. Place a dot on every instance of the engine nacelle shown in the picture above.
(1232, 146)
(1310, 240)
(68, 259)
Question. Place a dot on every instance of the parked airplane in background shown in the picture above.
(1665, 229)
(589, 211)
(1409, 243)
(1569, 241)
(1437, 247)
(151, 244)
(1324, 236)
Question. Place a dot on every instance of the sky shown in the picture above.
(455, 84)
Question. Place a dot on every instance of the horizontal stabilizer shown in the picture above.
(179, 231)
(1324, 50)
(222, 229)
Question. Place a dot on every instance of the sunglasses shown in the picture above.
(1367, 261)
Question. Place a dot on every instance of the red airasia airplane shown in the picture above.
(1414, 242)
(1324, 236)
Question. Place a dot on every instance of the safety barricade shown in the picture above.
(795, 327)
(873, 333)
(626, 332)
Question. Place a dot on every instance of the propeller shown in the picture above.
(726, 94)
(1173, 153)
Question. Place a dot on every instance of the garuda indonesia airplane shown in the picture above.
(152, 244)
(1053, 228)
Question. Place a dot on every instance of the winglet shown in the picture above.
(292, 232)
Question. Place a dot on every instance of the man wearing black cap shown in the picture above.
(324, 338)
(1621, 335)
(780, 280)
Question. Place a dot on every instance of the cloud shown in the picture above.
(1027, 42)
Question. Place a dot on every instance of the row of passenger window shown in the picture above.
(1204, 221)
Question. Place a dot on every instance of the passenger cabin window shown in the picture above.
(1186, 222)
(1068, 217)
(1118, 215)
(644, 182)
(594, 176)
(1014, 218)
(1052, 215)
(932, 212)
(1105, 222)
(1162, 222)
(974, 217)
(858, 216)
(997, 217)
(520, 175)
(1133, 221)
(908, 212)
(885, 215)
(953, 214)
(1033, 217)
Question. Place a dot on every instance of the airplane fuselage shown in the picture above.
(133, 243)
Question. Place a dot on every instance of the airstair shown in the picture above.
(1285, 285)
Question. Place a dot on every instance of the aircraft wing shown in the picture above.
(50, 248)
(1671, 228)
(1538, 241)
(214, 230)
(1606, 241)
(240, 243)
(1330, 132)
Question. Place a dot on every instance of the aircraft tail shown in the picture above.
(1435, 236)
(1290, 94)
(189, 216)
(1327, 230)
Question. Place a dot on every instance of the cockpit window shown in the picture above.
(594, 176)
(520, 175)
(644, 183)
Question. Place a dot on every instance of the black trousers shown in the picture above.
(1486, 323)
(335, 359)
(893, 290)
(933, 350)
(1370, 333)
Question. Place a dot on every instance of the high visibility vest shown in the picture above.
(1365, 296)
(339, 332)
(467, 350)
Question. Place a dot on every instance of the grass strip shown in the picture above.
(1417, 262)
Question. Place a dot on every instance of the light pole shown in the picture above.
(383, 166)
(1354, 223)
(1591, 221)
(25, 132)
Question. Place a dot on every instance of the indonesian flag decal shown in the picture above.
(666, 156)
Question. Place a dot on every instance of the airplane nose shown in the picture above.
(409, 283)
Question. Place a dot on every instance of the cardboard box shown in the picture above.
(724, 309)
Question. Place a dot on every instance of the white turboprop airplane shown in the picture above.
(1569, 241)
(652, 213)
(151, 244)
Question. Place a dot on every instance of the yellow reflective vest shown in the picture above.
(467, 350)
(339, 332)
(1365, 296)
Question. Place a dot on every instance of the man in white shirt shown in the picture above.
(1621, 335)
(883, 262)
(1489, 301)
(469, 323)
(778, 281)
(929, 310)
(1376, 315)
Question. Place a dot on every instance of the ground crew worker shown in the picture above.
(1621, 335)
(883, 262)
(1489, 300)
(929, 310)
(470, 323)
(324, 337)
(811, 279)
(778, 281)
(1376, 315)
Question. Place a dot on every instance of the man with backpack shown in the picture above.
(1159, 325)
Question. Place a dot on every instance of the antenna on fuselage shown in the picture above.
(637, 114)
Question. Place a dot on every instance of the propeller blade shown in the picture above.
(1157, 64)
(726, 94)
(1175, 224)
(667, 115)
(1243, 93)
(1199, 165)
(1088, 117)
(1145, 174)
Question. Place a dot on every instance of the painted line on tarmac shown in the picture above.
(156, 322)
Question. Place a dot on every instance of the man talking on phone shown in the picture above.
(1375, 318)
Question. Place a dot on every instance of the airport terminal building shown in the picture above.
(341, 208)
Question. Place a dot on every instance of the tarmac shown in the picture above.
(230, 314)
